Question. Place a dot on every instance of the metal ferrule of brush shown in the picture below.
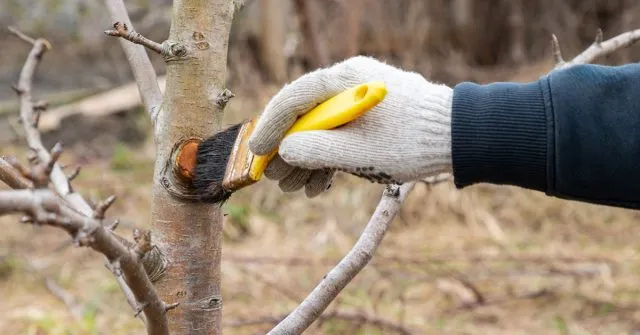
(238, 172)
(244, 168)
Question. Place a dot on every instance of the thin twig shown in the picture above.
(597, 49)
(556, 51)
(57, 176)
(45, 208)
(130, 297)
(74, 173)
(102, 207)
(121, 30)
(143, 70)
(21, 35)
(357, 258)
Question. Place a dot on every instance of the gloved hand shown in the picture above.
(405, 137)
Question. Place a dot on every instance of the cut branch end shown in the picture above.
(121, 30)
(186, 159)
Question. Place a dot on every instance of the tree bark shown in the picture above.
(353, 15)
(315, 50)
(273, 32)
(187, 231)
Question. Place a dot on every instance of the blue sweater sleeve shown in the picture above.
(573, 134)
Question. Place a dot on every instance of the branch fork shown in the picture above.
(597, 49)
(121, 30)
(44, 193)
(167, 49)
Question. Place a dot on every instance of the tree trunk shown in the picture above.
(314, 49)
(273, 32)
(353, 15)
(188, 232)
(517, 28)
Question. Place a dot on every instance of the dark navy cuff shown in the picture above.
(499, 135)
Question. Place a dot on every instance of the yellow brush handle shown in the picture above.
(334, 112)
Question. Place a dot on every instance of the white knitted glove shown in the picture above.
(405, 137)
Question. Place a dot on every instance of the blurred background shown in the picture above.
(484, 260)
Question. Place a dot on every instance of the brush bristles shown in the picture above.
(211, 165)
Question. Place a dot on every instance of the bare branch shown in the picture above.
(67, 209)
(74, 173)
(103, 206)
(57, 176)
(114, 267)
(141, 308)
(121, 30)
(138, 59)
(114, 225)
(21, 35)
(168, 307)
(318, 55)
(11, 177)
(357, 258)
(557, 52)
(598, 48)
(45, 208)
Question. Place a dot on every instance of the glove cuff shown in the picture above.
(435, 130)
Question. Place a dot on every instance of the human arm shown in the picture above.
(572, 134)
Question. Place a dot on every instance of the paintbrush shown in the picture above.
(224, 163)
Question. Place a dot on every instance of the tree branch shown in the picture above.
(29, 122)
(357, 258)
(597, 49)
(121, 30)
(316, 50)
(11, 177)
(21, 35)
(45, 208)
(67, 209)
(139, 62)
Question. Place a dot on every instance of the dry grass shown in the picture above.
(484, 260)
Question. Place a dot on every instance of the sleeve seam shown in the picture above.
(545, 86)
